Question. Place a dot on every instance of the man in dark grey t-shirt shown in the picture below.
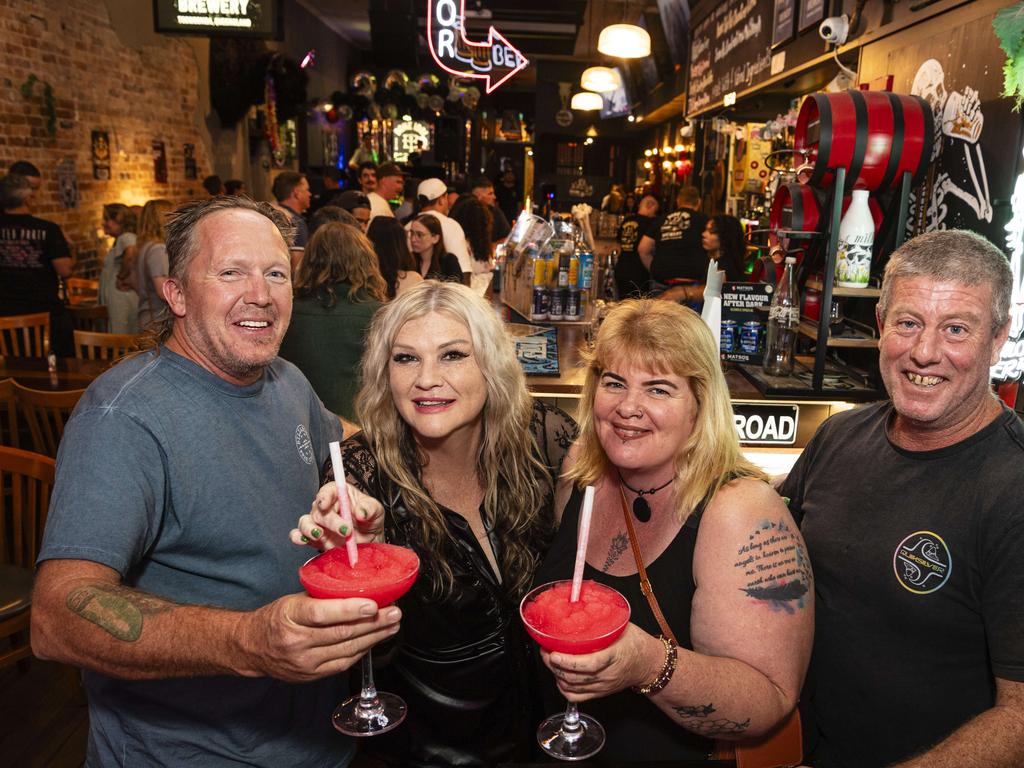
(166, 570)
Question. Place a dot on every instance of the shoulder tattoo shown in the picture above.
(117, 610)
(775, 565)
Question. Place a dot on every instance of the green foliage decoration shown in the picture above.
(1008, 26)
(49, 106)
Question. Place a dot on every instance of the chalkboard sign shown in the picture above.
(731, 51)
(782, 21)
(811, 13)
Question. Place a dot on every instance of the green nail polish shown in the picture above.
(343, 530)
(316, 533)
(305, 539)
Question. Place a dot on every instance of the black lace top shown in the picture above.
(463, 664)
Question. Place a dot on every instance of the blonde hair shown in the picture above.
(340, 253)
(664, 337)
(151, 222)
(516, 484)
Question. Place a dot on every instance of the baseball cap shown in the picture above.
(351, 199)
(431, 189)
(389, 169)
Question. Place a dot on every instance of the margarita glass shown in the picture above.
(591, 624)
(383, 574)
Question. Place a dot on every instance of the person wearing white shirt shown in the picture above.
(390, 183)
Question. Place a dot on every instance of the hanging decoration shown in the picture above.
(49, 105)
(273, 130)
(1008, 26)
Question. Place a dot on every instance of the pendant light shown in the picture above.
(601, 79)
(586, 101)
(624, 41)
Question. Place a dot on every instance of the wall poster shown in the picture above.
(100, 155)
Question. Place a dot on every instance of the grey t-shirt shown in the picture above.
(188, 487)
(151, 262)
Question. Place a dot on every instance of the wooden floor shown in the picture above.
(43, 719)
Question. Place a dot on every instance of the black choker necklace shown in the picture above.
(641, 509)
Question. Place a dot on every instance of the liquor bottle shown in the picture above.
(609, 292)
(783, 319)
(856, 237)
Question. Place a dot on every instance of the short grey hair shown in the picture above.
(15, 190)
(954, 255)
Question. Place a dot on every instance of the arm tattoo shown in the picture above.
(776, 567)
(699, 720)
(619, 544)
(117, 610)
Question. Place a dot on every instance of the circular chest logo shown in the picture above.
(304, 444)
(922, 562)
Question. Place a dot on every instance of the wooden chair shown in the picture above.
(8, 415)
(82, 289)
(46, 413)
(88, 318)
(26, 480)
(91, 345)
(25, 335)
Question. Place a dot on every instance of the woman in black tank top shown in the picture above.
(726, 563)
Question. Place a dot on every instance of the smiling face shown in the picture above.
(935, 350)
(421, 240)
(437, 385)
(642, 419)
(233, 309)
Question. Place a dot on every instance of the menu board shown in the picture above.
(744, 321)
(731, 51)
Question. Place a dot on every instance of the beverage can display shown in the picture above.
(556, 310)
(572, 304)
(727, 342)
(586, 270)
(752, 337)
(540, 272)
(563, 271)
(574, 271)
(539, 305)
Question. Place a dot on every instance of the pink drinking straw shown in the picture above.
(345, 506)
(581, 543)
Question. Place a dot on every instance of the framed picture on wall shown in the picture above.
(100, 152)
(811, 13)
(782, 22)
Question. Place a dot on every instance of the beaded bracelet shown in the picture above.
(665, 675)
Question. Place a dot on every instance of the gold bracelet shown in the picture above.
(665, 675)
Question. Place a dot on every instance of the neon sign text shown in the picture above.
(494, 60)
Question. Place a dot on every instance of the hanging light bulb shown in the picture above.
(624, 41)
(586, 101)
(647, 164)
(647, 153)
(600, 79)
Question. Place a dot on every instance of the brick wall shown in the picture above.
(135, 93)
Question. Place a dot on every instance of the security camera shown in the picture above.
(834, 29)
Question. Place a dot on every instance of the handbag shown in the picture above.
(783, 747)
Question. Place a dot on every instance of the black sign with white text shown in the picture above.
(226, 18)
(766, 424)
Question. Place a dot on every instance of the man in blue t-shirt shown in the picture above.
(166, 571)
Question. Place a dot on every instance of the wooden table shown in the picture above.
(71, 373)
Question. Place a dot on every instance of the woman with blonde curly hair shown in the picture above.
(464, 462)
(338, 287)
(726, 565)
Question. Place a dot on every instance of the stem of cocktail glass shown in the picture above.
(369, 704)
(572, 728)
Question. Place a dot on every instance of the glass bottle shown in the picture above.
(783, 319)
(856, 238)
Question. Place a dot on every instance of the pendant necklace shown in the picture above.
(641, 509)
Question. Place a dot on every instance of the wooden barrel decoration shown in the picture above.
(801, 208)
(874, 135)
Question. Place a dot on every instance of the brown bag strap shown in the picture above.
(645, 583)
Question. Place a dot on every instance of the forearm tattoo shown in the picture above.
(619, 544)
(698, 719)
(776, 567)
(117, 610)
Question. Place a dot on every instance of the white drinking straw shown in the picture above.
(345, 506)
(581, 543)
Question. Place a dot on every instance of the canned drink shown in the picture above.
(563, 271)
(557, 309)
(586, 270)
(539, 306)
(572, 304)
(752, 337)
(540, 271)
(574, 271)
(727, 342)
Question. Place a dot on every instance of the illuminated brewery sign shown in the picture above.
(410, 136)
(493, 60)
(761, 424)
(1011, 359)
(240, 18)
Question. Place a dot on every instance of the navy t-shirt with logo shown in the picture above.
(28, 247)
(918, 562)
(678, 252)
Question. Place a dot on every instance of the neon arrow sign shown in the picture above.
(494, 61)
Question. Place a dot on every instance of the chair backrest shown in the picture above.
(26, 480)
(8, 415)
(25, 335)
(82, 289)
(89, 318)
(46, 414)
(92, 345)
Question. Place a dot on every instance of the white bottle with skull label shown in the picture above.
(856, 237)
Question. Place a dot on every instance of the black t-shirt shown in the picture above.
(919, 583)
(450, 270)
(679, 253)
(632, 228)
(28, 248)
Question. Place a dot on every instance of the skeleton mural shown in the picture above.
(958, 168)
